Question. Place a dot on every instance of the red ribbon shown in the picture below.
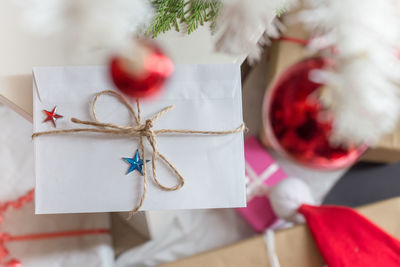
(4, 253)
(16, 204)
(5, 237)
(293, 40)
(13, 263)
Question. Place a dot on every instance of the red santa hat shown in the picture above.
(343, 236)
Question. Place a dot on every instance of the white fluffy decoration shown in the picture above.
(364, 86)
(287, 196)
(87, 23)
(244, 26)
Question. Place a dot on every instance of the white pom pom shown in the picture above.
(287, 196)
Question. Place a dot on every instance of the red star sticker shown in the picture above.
(52, 116)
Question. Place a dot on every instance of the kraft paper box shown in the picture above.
(295, 246)
(86, 173)
(151, 224)
(387, 150)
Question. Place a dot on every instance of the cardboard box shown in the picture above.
(294, 246)
(387, 150)
(150, 224)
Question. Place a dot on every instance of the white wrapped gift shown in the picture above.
(84, 172)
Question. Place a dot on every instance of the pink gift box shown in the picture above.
(262, 172)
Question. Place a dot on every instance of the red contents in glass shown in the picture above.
(294, 118)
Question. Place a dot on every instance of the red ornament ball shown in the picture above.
(141, 76)
(293, 124)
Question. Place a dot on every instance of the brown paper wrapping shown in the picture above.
(387, 150)
(295, 246)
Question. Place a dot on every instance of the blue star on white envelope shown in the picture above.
(136, 163)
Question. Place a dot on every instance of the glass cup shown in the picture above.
(298, 125)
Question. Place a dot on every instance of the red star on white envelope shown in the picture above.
(52, 116)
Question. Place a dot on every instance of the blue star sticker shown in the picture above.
(136, 163)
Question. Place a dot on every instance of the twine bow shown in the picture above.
(140, 130)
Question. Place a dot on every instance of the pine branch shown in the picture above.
(190, 13)
(169, 13)
(200, 12)
(281, 11)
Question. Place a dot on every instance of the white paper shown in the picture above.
(86, 173)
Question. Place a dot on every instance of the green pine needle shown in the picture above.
(187, 13)
(281, 11)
